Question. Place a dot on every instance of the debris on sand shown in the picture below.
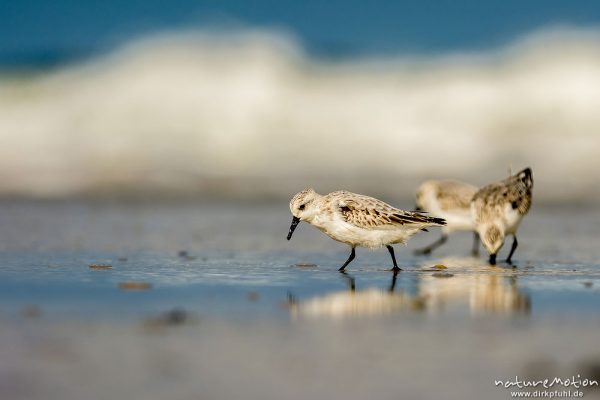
(132, 285)
(100, 266)
(435, 268)
(185, 255)
(305, 265)
(174, 317)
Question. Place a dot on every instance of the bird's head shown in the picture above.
(302, 208)
(492, 237)
(526, 176)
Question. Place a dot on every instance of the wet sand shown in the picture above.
(208, 300)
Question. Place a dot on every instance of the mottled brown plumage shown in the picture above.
(368, 213)
(358, 220)
(490, 200)
(498, 209)
(449, 194)
(451, 200)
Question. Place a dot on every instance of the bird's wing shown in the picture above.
(488, 202)
(491, 200)
(369, 213)
(454, 195)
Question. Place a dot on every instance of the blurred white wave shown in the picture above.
(249, 114)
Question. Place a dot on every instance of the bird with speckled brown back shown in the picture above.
(498, 208)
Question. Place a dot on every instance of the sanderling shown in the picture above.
(450, 200)
(358, 220)
(498, 209)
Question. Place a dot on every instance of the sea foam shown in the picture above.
(250, 114)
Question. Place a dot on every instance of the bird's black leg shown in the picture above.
(393, 284)
(391, 250)
(512, 249)
(493, 259)
(475, 249)
(348, 261)
(432, 246)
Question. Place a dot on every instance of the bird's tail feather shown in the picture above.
(436, 221)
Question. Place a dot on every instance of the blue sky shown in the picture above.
(37, 30)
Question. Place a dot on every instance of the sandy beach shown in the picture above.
(149, 152)
(208, 300)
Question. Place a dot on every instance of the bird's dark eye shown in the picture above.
(301, 207)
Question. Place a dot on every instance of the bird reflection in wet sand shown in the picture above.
(352, 282)
(353, 302)
(482, 292)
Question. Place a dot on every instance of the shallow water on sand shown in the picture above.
(209, 300)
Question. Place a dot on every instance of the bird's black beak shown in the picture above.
(295, 222)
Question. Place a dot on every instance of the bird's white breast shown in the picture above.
(512, 218)
(457, 220)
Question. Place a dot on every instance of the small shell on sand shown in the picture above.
(100, 266)
(305, 265)
(135, 285)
